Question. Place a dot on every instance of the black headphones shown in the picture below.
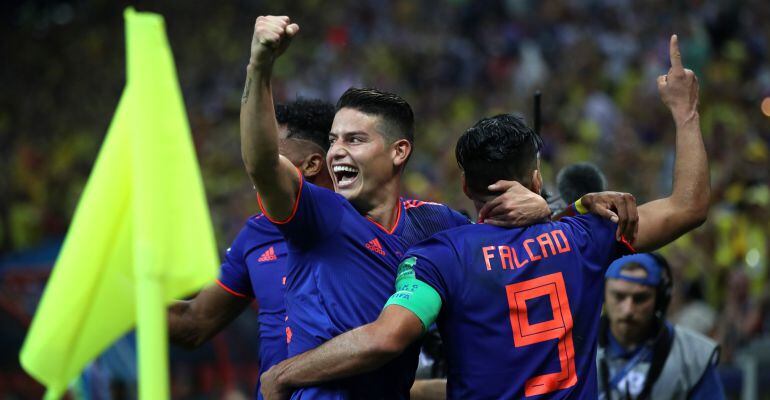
(664, 288)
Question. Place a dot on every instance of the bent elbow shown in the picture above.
(697, 218)
(701, 219)
(385, 348)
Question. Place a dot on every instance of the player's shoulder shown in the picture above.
(321, 191)
(421, 209)
(586, 222)
(259, 225)
(325, 197)
(457, 236)
(411, 204)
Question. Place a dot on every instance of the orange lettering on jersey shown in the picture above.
(488, 256)
(516, 259)
(505, 256)
(562, 245)
(529, 251)
(543, 240)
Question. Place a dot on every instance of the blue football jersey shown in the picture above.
(342, 268)
(255, 267)
(520, 307)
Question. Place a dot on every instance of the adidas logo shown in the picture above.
(269, 255)
(375, 246)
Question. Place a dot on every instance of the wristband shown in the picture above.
(579, 207)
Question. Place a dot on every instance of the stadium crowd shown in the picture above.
(595, 61)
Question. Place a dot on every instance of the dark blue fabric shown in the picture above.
(710, 386)
(342, 269)
(255, 266)
(485, 276)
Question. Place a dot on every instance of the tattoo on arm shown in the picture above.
(245, 96)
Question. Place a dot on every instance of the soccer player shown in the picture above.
(518, 309)
(255, 263)
(344, 248)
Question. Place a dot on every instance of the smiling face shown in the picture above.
(362, 159)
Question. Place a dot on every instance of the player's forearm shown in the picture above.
(358, 351)
(692, 188)
(181, 327)
(259, 129)
(663, 221)
(193, 322)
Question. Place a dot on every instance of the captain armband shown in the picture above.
(415, 295)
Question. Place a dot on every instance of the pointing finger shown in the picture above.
(675, 55)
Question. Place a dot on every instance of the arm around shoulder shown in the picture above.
(355, 352)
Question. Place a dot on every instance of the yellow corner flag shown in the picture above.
(141, 235)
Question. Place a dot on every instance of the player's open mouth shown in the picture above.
(345, 175)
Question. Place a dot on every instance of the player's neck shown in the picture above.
(322, 179)
(383, 208)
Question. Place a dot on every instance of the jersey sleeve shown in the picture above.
(595, 238)
(422, 283)
(234, 273)
(457, 218)
(316, 213)
(435, 263)
(415, 295)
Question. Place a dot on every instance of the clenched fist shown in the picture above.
(272, 35)
(679, 88)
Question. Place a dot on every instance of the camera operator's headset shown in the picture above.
(664, 288)
(659, 272)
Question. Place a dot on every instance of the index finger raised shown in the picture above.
(674, 55)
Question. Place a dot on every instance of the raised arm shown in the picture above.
(661, 221)
(360, 350)
(274, 176)
(192, 322)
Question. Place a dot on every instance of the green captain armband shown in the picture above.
(415, 295)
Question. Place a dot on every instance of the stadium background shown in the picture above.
(454, 61)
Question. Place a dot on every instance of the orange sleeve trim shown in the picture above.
(627, 244)
(231, 291)
(293, 209)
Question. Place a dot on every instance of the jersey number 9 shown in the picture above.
(560, 328)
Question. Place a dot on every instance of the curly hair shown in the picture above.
(308, 119)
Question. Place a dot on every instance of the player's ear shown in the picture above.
(313, 164)
(537, 181)
(401, 150)
(465, 186)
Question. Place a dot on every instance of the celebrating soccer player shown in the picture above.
(518, 309)
(255, 263)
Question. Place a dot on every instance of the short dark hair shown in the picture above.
(308, 119)
(495, 148)
(391, 107)
(578, 179)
